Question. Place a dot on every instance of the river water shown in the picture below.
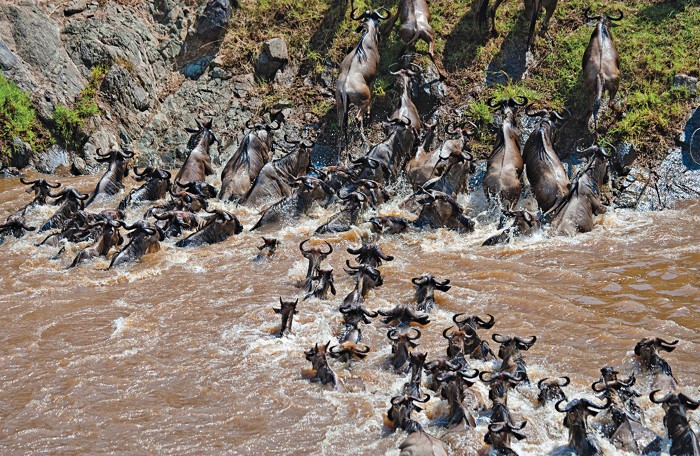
(174, 354)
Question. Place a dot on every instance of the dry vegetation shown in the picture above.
(656, 40)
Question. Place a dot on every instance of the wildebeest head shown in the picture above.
(287, 309)
(202, 189)
(15, 226)
(683, 439)
(269, 246)
(315, 255)
(70, 194)
(355, 312)
(41, 189)
(425, 286)
(551, 390)
(402, 345)
(203, 134)
(264, 131)
(150, 172)
(576, 413)
(441, 210)
(113, 156)
(604, 18)
(499, 383)
(648, 356)
(370, 253)
(404, 314)
(348, 351)
(511, 345)
(319, 362)
(399, 413)
(388, 224)
(499, 436)
(456, 341)
(313, 189)
(508, 107)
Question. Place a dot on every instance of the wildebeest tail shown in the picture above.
(598, 99)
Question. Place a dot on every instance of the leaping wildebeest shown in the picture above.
(111, 181)
(357, 72)
(197, 166)
(601, 64)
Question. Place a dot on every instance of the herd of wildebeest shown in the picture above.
(286, 189)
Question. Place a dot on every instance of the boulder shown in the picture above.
(214, 21)
(75, 7)
(47, 162)
(273, 57)
(688, 82)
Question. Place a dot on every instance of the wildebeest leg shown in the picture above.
(612, 91)
(496, 4)
(598, 207)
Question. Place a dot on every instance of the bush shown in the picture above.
(17, 118)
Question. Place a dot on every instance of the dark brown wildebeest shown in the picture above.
(499, 437)
(583, 442)
(349, 351)
(439, 366)
(145, 238)
(276, 178)
(452, 390)
(576, 213)
(385, 160)
(544, 170)
(245, 164)
(684, 442)
(415, 364)
(551, 390)
(371, 254)
(357, 73)
(509, 352)
(601, 64)
(399, 414)
(346, 218)
(474, 347)
(15, 226)
(108, 238)
(176, 221)
(268, 249)
(440, 210)
(319, 363)
(658, 368)
(287, 310)
(415, 25)
(402, 343)
(388, 224)
(505, 164)
(420, 443)
(524, 223)
(407, 109)
(366, 277)
(315, 255)
(404, 314)
(425, 286)
(324, 285)
(499, 384)
(156, 186)
(198, 166)
(455, 343)
(217, 228)
(111, 182)
(71, 201)
(41, 189)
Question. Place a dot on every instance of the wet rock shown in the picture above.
(674, 180)
(197, 68)
(21, 154)
(79, 167)
(47, 162)
(688, 82)
(243, 84)
(75, 7)
(214, 21)
(272, 59)
(8, 60)
(120, 87)
(690, 138)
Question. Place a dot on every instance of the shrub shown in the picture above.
(17, 118)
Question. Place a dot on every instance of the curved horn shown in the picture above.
(158, 216)
(566, 114)
(597, 389)
(392, 334)
(566, 409)
(101, 154)
(541, 112)
(567, 380)
(659, 401)
(388, 13)
(539, 384)
(58, 184)
(590, 404)
(279, 125)
(501, 339)
(588, 15)
(527, 341)
(490, 104)
(459, 323)
(358, 18)
(417, 336)
(419, 281)
(444, 333)
(519, 103)
(660, 341)
(485, 324)
(301, 246)
(330, 249)
(616, 18)
(290, 141)
(362, 351)
(488, 377)
(21, 179)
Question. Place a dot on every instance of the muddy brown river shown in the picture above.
(174, 354)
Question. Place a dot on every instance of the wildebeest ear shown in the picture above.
(688, 402)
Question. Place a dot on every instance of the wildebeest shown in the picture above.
(505, 164)
(41, 189)
(357, 72)
(144, 238)
(324, 285)
(575, 214)
(415, 25)
(453, 177)
(107, 239)
(198, 166)
(349, 351)
(486, 14)
(425, 286)
(499, 384)
(15, 226)
(287, 310)
(440, 210)
(319, 363)
(218, 227)
(399, 414)
(658, 368)
(416, 364)
(385, 160)
(453, 388)
(581, 440)
(388, 224)
(370, 254)
(475, 347)
(544, 170)
(499, 437)
(407, 109)
(177, 221)
(404, 314)
(71, 201)
(524, 223)
(601, 64)
(111, 182)
(509, 352)
(268, 249)
(366, 279)
(684, 442)
(402, 343)
(347, 217)
(245, 164)
(551, 390)
(198, 188)
(456, 341)
(315, 255)
(156, 186)
(276, 178)
(420, 443)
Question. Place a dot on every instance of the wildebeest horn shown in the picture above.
(561, 117)
(359, 18)
(596, 406)
(330, 249)
(468, 373)
(485, 324)
(457, 315)
(616, 18)
(347, 262)
(689, 403)
(365, 350)
(290, 141)
(444, 333)
(565, 409)
(526, 341)
(501, 339)
(301, 246)
(488, 377)
(519, 103)
(596, 388)
(489, 102)
(394, 72)
(419, 281)
(539, 384)
(81, 196)
(668, 346)
(388, 13)
(541, 112)
(416, 337)
(659, 401)
(126, 154)
(566, 379)
(392, 334)
(334, 354)
(589, 17)
(279, 125)
(368, 313)
(101, 154)
(449, 129)
(421, 400)
(21, 179)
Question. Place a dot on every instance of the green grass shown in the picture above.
(656, 40)
(17, 118)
